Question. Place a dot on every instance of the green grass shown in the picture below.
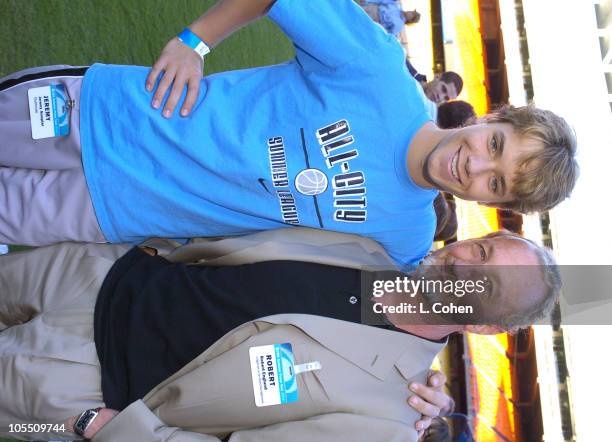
(82, 32)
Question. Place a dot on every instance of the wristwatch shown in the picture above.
(85, 420)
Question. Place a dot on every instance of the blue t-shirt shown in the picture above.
(320, 141)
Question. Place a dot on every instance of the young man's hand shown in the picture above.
(430, 400)
(180, 66)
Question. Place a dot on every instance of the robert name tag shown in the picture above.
(49, 111)
(273, 373)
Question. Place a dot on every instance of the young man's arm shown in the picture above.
(326, 34)
(182, 66)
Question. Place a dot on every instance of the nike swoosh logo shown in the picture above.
(263, 183)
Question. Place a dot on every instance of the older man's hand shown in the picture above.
(430, 400)
(105, 415)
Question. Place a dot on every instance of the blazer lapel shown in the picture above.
(373, 349)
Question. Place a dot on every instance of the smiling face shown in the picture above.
(439, 91)
(478, 163)
(503, 250)
(510, 266)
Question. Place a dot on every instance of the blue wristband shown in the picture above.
(194, 42)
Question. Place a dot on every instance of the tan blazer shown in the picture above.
(293, 243)
(359, 394)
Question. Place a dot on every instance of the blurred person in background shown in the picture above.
(389, 14)
(457, 113)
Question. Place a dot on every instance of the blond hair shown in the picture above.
(547, 176)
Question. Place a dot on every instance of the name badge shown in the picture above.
(49, 111)
(274, 376)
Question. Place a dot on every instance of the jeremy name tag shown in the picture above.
(273, 373)
(49, 111)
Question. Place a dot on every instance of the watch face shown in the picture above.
(84, 421)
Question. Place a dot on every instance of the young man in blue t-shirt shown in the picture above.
(338, 138)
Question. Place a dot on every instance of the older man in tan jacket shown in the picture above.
(51, 370)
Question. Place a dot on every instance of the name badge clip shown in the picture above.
(308, 366)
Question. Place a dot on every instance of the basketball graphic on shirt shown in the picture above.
(311, 182)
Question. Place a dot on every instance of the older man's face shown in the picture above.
(507, 267)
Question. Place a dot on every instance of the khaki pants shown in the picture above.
(49, 369)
